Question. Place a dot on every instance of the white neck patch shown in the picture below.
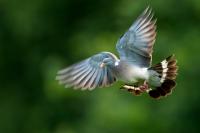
(116, 63)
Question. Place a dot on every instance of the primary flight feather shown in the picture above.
(133, 67)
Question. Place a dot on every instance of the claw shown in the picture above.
(137, 90)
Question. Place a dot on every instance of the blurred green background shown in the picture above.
(39, 37)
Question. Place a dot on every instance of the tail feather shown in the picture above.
(166, 72)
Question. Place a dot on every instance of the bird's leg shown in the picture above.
(137, 90)
(130, 88)
(145, 87)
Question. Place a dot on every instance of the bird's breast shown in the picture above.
(128, 72)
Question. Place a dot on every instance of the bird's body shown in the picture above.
(129, 72)
(133, 67)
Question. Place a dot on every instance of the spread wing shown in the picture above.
(93, 72)
(136, 45)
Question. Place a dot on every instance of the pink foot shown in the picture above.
(145, 87)
(137, 90)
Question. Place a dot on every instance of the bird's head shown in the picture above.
(107, 62)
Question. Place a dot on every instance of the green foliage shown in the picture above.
(39, 37)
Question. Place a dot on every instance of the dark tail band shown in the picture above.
(167, 71)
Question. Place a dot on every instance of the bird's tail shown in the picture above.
(162, 77)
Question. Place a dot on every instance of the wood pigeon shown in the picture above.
(133, 67)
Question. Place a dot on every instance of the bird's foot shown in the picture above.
(145, 87)
(137, 90)
(134, 90)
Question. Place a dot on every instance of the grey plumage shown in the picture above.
(93, 72)
(137, 43)
(135, 49)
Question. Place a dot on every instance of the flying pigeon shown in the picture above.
(133, 67)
